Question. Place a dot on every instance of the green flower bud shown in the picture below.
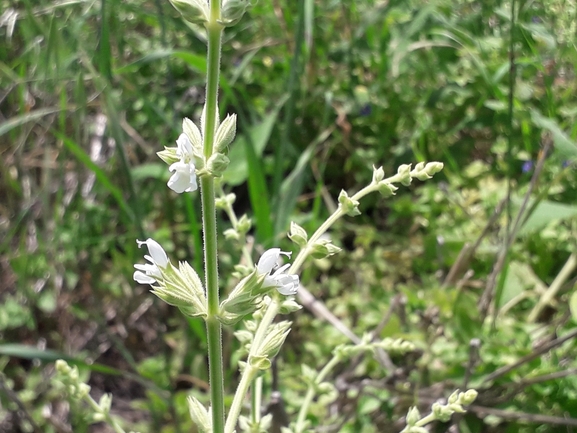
(413, 416)
(82, 390)
(226, 201)
(259, 362)
(378, 174)
(243, 336)
(298, 235)
(323, 248)
(468, 397)
(193, 134)
(105, 403)
(217, 164)
(350, 206)
(182, 288)
(387, 189)
(404, 171)
(62, 367)
(433, 168)
(275, 338)
(453, 398)
(168, 155)
(243, 225)
(231, 234)
(225, 133)
(243, 300)
(232, 11)
(199, 415)
(441, 413)
(289, 306)
(194, 11)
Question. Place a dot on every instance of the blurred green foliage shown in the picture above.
(323, 90)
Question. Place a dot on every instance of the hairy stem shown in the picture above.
(213, 326)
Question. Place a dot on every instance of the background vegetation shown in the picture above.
(477, 267)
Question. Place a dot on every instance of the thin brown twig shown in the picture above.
(538, 352)
(487, 296)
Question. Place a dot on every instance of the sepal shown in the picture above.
(194, 11)
(350, 206)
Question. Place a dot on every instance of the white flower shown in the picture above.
(150, 272)
(184, 177)
(286, 284)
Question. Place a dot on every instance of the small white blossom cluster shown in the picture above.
(180, 286)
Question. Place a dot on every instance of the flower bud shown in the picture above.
(199, 415)
(168, 155)
(243, 225)
(82, 390)
(323, 248)
(468, 397)
(231, 234)
(62, 367)
(217, 164)
(404, 171)
(413, 416)
(453, 398)
(105, 403)
(225, 133)
(350, 206)
(378, 174)
(272, 343)
(433, 168)
(289, 306)
(225, 201)
(194, 11)
(232, 11)
(244, 336)
(259, 362)
(298, 235)
(387, 189)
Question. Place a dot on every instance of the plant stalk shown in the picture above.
(213, 326)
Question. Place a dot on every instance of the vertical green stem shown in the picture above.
(214, 30)
(213, 326)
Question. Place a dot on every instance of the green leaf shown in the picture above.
(32, 352)
(562, 141)
(25, 118)
(545, 213)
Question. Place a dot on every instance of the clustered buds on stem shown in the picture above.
(440, 412)
(180, 287)
(187, 159)
(198, 12)
(251, 290)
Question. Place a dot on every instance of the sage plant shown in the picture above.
(265, 289)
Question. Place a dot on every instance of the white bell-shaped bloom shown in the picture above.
(184, 175)
(286, 284)
(150, 272)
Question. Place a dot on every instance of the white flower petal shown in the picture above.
(158, 254)
(287, 284)
(184, 177)
(184, 146)
(268, 260)
(142, 278)
(151, 270)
